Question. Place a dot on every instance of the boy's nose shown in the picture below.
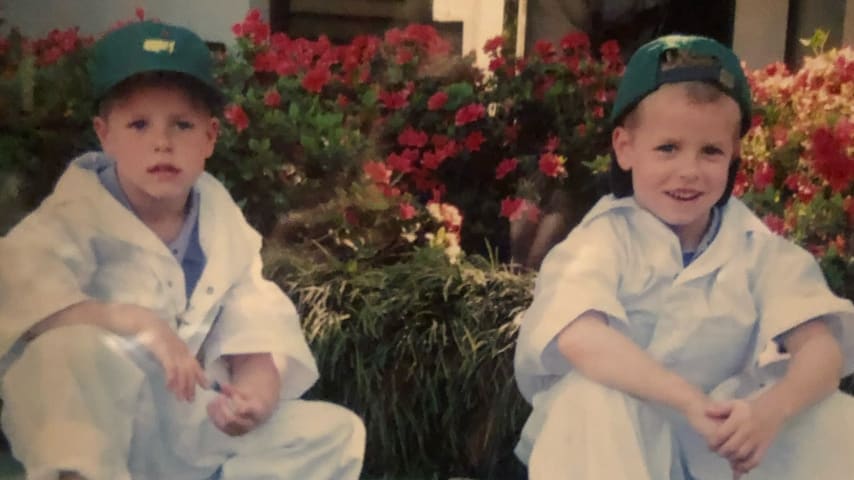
(163, 141)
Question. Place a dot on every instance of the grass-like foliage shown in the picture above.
(423, 350)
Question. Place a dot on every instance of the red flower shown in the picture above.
(272, 98)
(140, 14)
(763, 176)
(403, 56)
(265, 62)
(474, 140)
(403, 162)
(551, 165)
(581, 129)
(545, 50)
(389, 191)
(432, 160)
(407, 211)
(470, 113)
(378, 172)
(493, 44)
(342, 100)
(574, 40)
(439, 141)
(236, 116)
(504, 168)
(253, 27)
(775, 223)
(395, 100)
(551, 144)
(437, 101)
(316, 78)
(514, 208)
(610, 51)
(598, 111)
(412, 138)
(740, 184)
(830, 159)
(497, 63)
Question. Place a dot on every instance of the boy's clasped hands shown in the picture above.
(739, 430)
(234, 411)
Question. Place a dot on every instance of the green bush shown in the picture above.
(423, 350)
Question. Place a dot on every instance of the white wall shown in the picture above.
(211, 19)
(759, 33)
(482, 20)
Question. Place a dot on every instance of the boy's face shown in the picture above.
(160, 141)
(679, 152)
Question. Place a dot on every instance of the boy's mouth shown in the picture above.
(683, 195)
(164, 168)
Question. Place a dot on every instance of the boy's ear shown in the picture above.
(212, 133)
(621, 142)
(101, 129)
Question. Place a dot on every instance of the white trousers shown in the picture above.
(84, 400)
(581, 430)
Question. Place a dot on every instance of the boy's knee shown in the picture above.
(347, 425)
(69, 344)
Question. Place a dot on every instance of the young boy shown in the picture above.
(140, 338)
(672, 335)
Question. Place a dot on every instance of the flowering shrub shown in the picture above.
(798, 171)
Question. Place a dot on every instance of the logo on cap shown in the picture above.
(158, 45)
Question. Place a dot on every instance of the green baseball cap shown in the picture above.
(148, 46)
(643, 74)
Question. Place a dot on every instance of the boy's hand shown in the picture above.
(180, 367)
(235, 413)
(746, 434)
(706, 417)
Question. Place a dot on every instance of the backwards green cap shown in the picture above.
(148, 47)
(644, 75)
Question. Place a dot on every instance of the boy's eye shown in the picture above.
(666, 148)
(184, 125)
(712, 150)
(138, 124)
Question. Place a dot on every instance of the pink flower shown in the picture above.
(378, 172)
(236, 116)
(610, 51)
(407, 211)
(775, 223)
(507, 166)
(140, 14)
(515, 208)
(272, 98)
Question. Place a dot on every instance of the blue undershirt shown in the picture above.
(186, 247)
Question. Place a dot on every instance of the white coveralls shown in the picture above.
(713, 322)
(79, 398)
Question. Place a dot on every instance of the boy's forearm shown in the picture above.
(89, 312)
(256, 373)
(606, 356)
(813, 374)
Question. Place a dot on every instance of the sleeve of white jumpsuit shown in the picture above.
(257, 317)
(791, 289)
(43, 269)
(579, 274)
